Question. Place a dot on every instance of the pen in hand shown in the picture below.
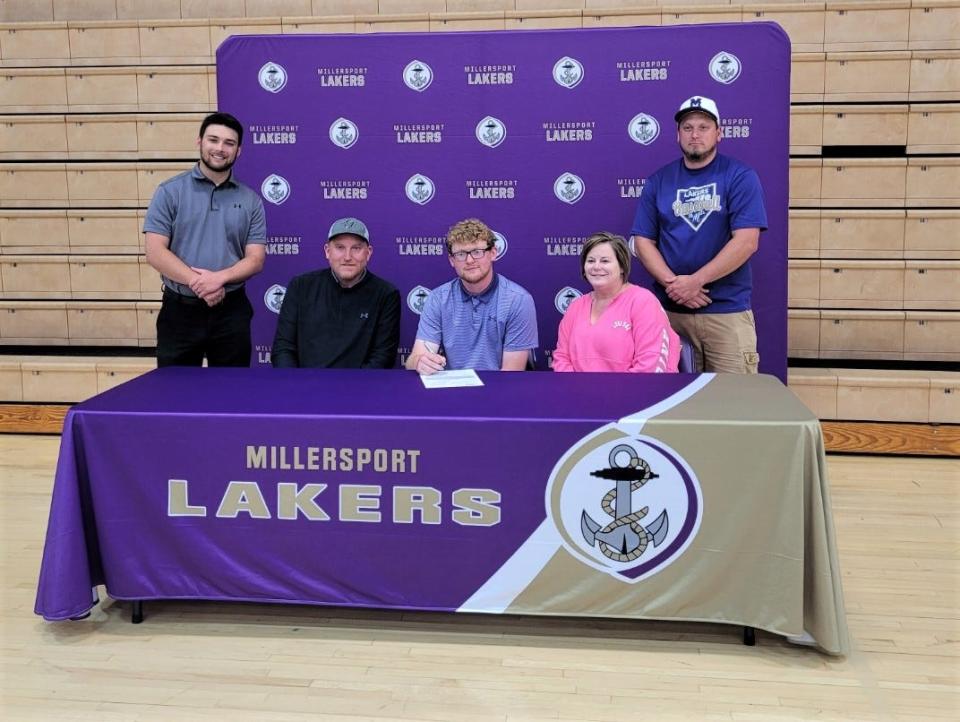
(433, 360)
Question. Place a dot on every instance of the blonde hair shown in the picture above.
(468, 231)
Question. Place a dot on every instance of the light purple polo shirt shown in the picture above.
(474, 331)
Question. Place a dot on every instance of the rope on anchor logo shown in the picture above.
(633, 519)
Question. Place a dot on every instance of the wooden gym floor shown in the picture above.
(898, 532)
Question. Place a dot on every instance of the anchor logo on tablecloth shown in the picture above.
(624, 539)
(624, 503)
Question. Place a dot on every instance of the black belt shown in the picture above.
(171, 295)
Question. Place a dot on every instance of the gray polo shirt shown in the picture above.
(208, 226)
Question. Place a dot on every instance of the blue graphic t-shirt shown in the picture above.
(691, 214)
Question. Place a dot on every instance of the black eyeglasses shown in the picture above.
(476, 254)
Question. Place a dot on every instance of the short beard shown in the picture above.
(226, 168)
(694, 156)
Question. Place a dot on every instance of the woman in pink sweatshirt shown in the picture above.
(618, 326)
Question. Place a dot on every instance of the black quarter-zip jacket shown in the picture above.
(323, 325)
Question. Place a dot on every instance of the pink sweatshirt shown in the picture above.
(632, 334)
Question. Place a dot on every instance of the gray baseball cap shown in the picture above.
(352, 226)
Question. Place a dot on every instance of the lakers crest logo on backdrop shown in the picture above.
(625, 504)
(565, 296)
(568, 72)
(419, 189)
(416, 298)
(725, 67)
(569, 188)
(344, 133)
(643, 129)
(491, 131)
(275, 189)
(273, 298)
(499, 245)
(272, 77)
(417, 75)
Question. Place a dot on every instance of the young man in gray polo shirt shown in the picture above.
(479, 320)
(205, 233)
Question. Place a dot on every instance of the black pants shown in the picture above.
(188, 329)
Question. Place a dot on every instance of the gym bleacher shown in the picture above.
(100, 101)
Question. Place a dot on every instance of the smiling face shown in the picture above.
(698, 135)
(602, 269)
(348, 256)
(219, 148)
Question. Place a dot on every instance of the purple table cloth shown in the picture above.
(675, 497)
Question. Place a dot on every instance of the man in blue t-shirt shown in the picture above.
(697, 224)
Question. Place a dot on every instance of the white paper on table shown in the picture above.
(451, 379)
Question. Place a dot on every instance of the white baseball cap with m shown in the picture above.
(698, 104)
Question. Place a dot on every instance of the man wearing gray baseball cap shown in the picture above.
(697, 224)
(342, 316)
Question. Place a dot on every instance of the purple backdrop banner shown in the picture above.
(547, 136)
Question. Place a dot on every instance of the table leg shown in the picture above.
(136, 615)
(94, 600)
(749, 636)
